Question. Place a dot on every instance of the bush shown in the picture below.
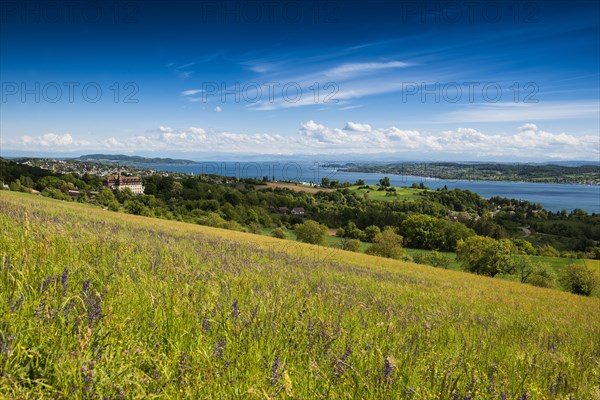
(548, 251)
(542, 276)
(579, 279)
(371, 232)
(311, 232)
(435, 259)
(387, 244)
(486, 256)
(524, 247)
(349, 244)
(279, 233)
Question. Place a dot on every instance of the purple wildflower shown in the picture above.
(275, 370)
(234, 309)
(86, 287)
(218, 349)
(206, 325)
(63, 281)
(387, 369)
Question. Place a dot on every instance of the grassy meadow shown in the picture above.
(402, 193)
(96, 304)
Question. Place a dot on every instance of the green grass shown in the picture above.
(96, 304)
(403, 193)
(558, 264)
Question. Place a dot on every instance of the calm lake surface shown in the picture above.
(553, 197)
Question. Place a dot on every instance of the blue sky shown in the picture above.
(437, 80)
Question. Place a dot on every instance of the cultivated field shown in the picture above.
(296, 187)
(402, 193)
(97, 304)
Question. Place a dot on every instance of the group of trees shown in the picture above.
(438, 220)
(486, 256)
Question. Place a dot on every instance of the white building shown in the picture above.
(134, 183)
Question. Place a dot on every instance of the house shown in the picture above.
(121, 182)
(283, 210)
(74, 193)
(299, 211)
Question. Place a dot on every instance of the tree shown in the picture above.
(524, 247)
(486, 256)
(427, 232)
(579, 279)
(325, 182)
(371, 233)
(423, 231)
(311, 232)
(385, 181)
(353, 232)
(387, 244)
(524, 269)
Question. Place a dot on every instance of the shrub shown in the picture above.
(387, 244)
(542, 276)
(311, 232)
(486, 256)
(279, 233)
(349, 244)
(435, 259)
(579, 279)
(524, 247)
(549, 251)
(371, 232)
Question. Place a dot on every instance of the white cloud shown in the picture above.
(191, 92)
(52, 140)
(528, 141)
(322, 134)
(352, 69)
(218, 109)
(502, 112)
(355, 127)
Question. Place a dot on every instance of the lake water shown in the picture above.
(553, 197)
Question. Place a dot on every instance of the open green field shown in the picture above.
(558, 264)
(99, 304)
(402, 193)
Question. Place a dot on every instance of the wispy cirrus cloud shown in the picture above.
(500, 112)
(191, 92)
(353, 69)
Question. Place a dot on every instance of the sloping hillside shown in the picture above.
(96, 304)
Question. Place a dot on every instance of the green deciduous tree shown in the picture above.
(486, 256)
(524, 247)
(371, 232)
(427, 232)
(387, 244)
(385, 181)
(311, 232)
